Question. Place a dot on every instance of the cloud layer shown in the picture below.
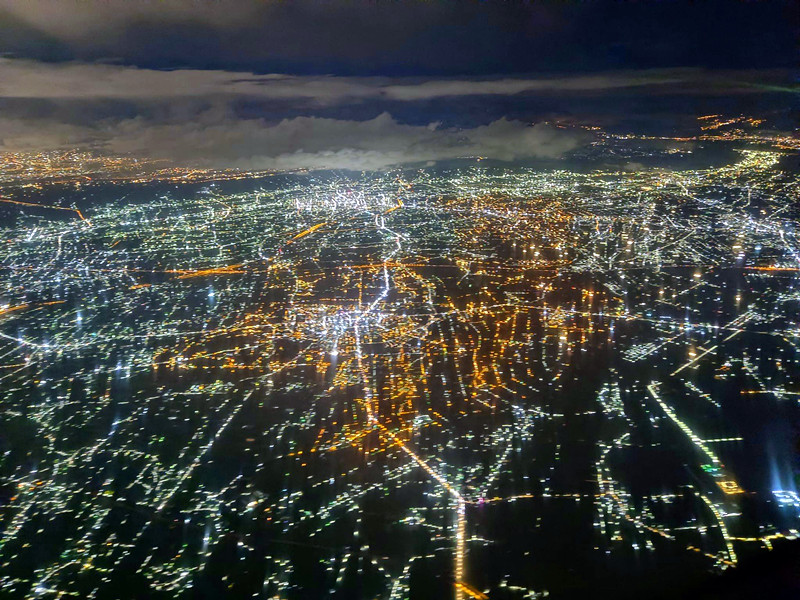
(21, 78)
(312, 142)
(219, 141)
(188, 117)
(195, 117)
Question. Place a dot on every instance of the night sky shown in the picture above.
(143, 77)
(408, 38)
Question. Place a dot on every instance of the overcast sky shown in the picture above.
(404, 38)
(275, 84)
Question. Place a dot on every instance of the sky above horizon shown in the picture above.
(350, 84)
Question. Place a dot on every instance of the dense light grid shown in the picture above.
(349, 384)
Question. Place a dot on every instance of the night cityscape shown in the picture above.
(425, 307)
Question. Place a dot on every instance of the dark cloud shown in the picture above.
(413, 37)
(33, 79)
(189, 117)
(236, 119)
